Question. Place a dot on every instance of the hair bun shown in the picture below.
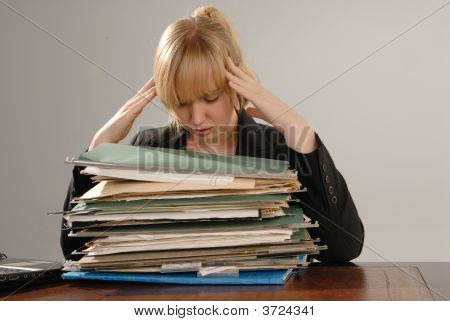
(206, 11)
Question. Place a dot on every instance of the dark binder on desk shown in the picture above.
(269, 277)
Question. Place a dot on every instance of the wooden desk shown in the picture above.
(364, 281)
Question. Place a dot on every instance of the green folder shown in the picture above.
(143, 204)
(184, 161)
(294, 219)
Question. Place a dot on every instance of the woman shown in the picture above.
(200, 76)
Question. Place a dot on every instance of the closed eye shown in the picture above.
(211, 100)
(207, 99)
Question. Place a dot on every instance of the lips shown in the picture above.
(202, 132)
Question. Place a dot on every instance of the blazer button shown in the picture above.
(327, 179)
(324, 167)
(330, 190)
(334, 199)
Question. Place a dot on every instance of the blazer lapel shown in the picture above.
(251, 138)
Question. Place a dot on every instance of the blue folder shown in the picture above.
(245, 277)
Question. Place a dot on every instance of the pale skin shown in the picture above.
(118, 127)
(209, 111)
(298, 133)
(215, 111)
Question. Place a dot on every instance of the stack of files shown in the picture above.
(182, 216)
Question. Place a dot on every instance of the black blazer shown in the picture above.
(327, 199)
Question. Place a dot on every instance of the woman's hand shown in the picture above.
(118, 127)
(266, 106)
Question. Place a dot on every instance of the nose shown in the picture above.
(198, 113)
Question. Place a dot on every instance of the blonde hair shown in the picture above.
(193, 51)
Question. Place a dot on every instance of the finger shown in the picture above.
(147, 92)
(137, 101)
(149, 84)
(145, 98)
(136, 108)
(239, 72)
(140, 98)
(243, 91)
(238, 81)
(149, 95)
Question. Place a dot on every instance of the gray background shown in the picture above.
(384, 121)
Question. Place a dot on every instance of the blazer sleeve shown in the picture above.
(329, 202)
(79, 184)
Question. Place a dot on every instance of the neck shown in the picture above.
(223, 144)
